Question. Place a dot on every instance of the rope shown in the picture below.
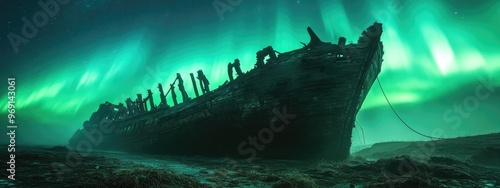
(357, 132)
(362, 132)
(401, 119)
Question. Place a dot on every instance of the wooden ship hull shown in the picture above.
(300, 105)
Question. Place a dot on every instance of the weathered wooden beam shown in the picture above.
(194, 85)
(150, 98)
(315, 41)
(162, 96)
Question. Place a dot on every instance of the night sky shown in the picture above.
(441, 68)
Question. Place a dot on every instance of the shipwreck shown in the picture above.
(300, 104)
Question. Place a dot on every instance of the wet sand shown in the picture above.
(462, 162)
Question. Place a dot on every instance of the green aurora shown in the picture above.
(432, 49)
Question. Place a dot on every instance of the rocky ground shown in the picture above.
(461, 162)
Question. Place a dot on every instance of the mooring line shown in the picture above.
(401, 119)
(362, 132)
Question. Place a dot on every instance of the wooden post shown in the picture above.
(129, 106)
(342, 41)
(162, 96)
(151, 102)
(184, 94)
(140, 104)
(230, 71)
(203, 82)
(237, 67)
(194, 85)
(174, 96)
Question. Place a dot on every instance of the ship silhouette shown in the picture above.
(300, 104)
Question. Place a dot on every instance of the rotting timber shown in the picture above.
(320, 86)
